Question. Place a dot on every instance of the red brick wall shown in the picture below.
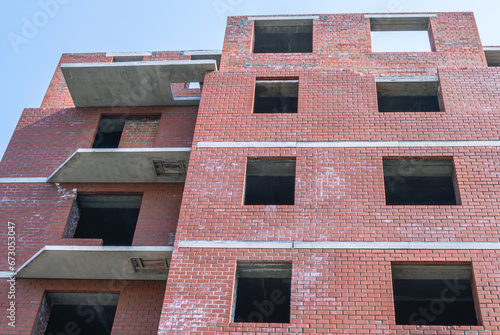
(139, 133)
(340, 105)
(46, 138)
(41, 212)
(343, 41)
(333, 291)
(138, 309)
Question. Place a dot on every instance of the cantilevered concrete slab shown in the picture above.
(132, 83)
(95, 262)
(123, 166)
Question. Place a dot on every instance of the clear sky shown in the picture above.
(34, 33)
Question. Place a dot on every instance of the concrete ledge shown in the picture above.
(142, 83)
(279, 18)
(119, 166)
(25, 180)
(406, 79)
(399, 16)
(341, 245)
(7, 274)
(236, 244)
(348, 144)
(129, 54)
(84, 262)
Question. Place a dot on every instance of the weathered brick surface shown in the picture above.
(343, 41)
(46, 138)
(41, 213)
(138, 309)
(333, 291)
(339, 193)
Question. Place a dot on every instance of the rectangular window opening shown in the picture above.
(78, 313)
(186, 91)
(270, 181)
(400, 34)
(408, 96)
(122, 59)
(276, 96)
(110, 131)
(434, 295)
(262, 292)
(283, 36)
(112, 218)
(492, 56)
(420, 181)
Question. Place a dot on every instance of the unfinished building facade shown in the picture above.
(298, 181)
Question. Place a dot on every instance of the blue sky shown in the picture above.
(30, 56)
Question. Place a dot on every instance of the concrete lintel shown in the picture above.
(406, 79)
(92, 262)
(246, 144)
(140, 83)
(119, 166)
(280, 18)
(23, 180)
(341, 245)
(217, 52)
(129, 54)
(399, 16)
(348, 144)
(236, 244)
(7, 274)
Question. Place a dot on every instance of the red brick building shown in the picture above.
(307, 184)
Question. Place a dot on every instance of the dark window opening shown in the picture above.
(433, 295)
(492, 56)
(112, 218)
(120, 59)
(276, 96)
(416, 181)
(420, 96)
(263, 292)
(283, 36)
(391, 34)
(270, 182)
(80, 313)
(109, 132)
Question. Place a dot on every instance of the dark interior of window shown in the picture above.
(428, 299)
(112, 218)
(263, 293)
(270, 182)
(71, 313)
(95, 320)
(408, 97)
(276, 96)
(109, 132)
(420, 182)
(283, 36)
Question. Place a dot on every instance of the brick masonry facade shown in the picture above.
(339, 185)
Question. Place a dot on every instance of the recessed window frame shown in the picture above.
(130, 202)
(409, 164)
(276, 88)
(449, 273)
(269, 167)
(282, 21)
(263, 269)
(402, 23)
(422, 90)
